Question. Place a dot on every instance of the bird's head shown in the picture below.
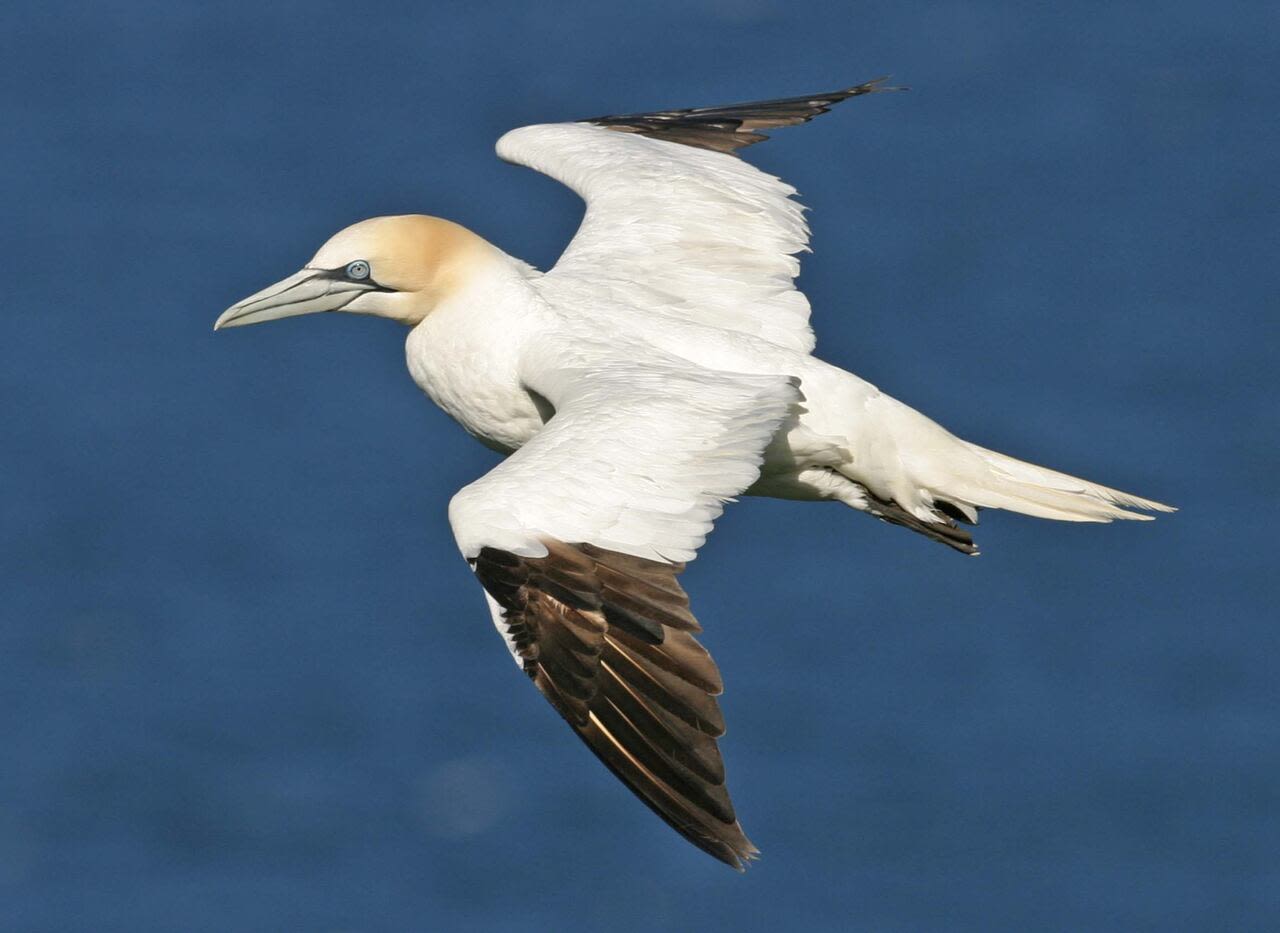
(395, 267)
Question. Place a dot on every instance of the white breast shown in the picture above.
(464, 356)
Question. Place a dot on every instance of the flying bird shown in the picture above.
(663, 366)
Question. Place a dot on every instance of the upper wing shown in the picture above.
(674, 223)
(577, 539)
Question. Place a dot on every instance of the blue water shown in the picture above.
(246, 681)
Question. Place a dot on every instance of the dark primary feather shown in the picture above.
(730, 127)
(606, 637)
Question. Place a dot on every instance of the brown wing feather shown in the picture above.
(606, 638)
(728, 128)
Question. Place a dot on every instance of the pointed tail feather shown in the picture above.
(1018, 486)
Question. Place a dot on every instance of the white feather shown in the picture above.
(679, 231)
(639, 458)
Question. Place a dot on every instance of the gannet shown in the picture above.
(663, 366)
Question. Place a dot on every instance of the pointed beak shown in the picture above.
(302, 293)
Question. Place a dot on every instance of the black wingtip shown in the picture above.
(582, 619)
(744, 860)
(874, 86)
(731, 127)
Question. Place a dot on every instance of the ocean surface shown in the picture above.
(247, 683)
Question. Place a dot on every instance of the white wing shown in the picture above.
(576, 538)
(675, 224)
(639, 459)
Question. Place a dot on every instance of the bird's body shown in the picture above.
(479, 352)
(662, 366)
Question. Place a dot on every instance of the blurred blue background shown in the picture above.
(248, 684)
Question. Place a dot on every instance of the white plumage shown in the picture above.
(644, 451)
(684, 234)
(661, 367)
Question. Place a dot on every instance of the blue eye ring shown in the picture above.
(358, 270)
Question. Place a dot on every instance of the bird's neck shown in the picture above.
(471, 272)
(466, 354)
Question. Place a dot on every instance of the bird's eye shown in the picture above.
(358, 270)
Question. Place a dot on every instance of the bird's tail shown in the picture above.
(913, 468)
(1003, 482)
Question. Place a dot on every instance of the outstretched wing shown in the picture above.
(675, 225)
(577, 539)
